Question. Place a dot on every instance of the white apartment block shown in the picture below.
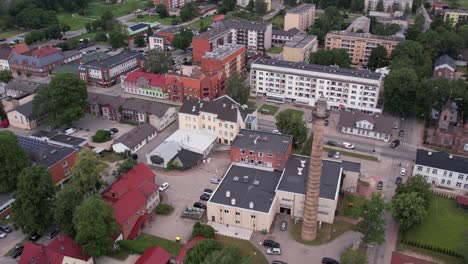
(443, 169)
(252, 34)
(371, 5)
(301, 83)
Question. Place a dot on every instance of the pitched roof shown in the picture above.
(94, 56)
(127, 205)
(25, 109)
(218, 18)
(289, 33)
(445, 60)
(188, 158)
(135, 178)
(154, 255)
(5, 197)
(105, 99)
(5, 51)
(442, 160)
(400, 258)
(44, 153)
(180, 258)
(151, 78)
(20, 48)
(44, 51)
(383, 124)
(113, 61)
(54, 253)
(59, 138)
(36, 61)
(262, 141)
(144, 106)
(135, 136)
(22, 85)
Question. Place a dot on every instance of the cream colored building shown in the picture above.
(371, 5)
(22, 117)
(299, 48)
(359, 45)
(455, 16)
(222, 117)
(250, 196)
(300, 17)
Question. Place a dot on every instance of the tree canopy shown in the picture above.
(182, 39)
(290, 123)
(87, 172)
(139, 41)
(332, 19)
(400, 91)
(201, 250)
(331, 57)
(237, 88)
(188, 12)
(372, 225)
(13, 159)
(378, 58)
(158, 61)
(416, 184)
(350, 256)
(66, 202)
(408, 209)
(5, 76)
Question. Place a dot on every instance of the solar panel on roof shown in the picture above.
(138, 26)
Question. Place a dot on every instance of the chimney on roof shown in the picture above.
(233, 201)
(299, 171)
(429, 153)
(251, 205)
(255, 140)
(450, 156)
(303, 163)
(228, 194)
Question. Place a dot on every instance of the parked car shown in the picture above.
(204, 197)
(402, 171)
(34, 237)
(332, 143)
(274, 251)
(199, 205)
(395, 143)
(271, 243)
(2, 235)
(331, 153)
(114, 130)
(53, 233)
(69, 130)
(5, 123)
(284, 225)
(17, 252)
(276, 131)
(208, 192)
(380, 185)
(337, 155)
(329, 261)
(348, 145)
(215, 180)
(278, 262)
(401, 133)
(5, 228)
(163, 187)
(398, 180)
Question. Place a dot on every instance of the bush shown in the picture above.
(203, 230)
(102, 136)
(164, 209)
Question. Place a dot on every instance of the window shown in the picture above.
(465, 186)
(242, 151)
(226, 211)
(269, 154)
(427, 170)
(252, 216)
(445, 173)
(252, 153)
(64, 164)
(260, 154)
(450, 175)
(252, 161)
(448, 182)
(443, 181)
(434, 171)
(459, 184)
(460, 176)
(66, 172)
(237, 213)
(237, 222)
(260, 162)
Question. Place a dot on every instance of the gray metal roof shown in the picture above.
(5, 197)
(442, 160)
(105, 99)
(135, 136)
(36, 61)
(301, 8)
(445, 59)
(366, 35)
(113, 61)
(22, 85)
(144, 106)
(290, 33)
(351, 166)
(293, 182)
(383, 124)
(247, 25)
(25, 109)
(262, 195)
(188, 158)
(43, 153)
(300, 41)
(262, 141)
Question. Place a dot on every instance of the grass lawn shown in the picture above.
(278, 21)
(90, 35)
(153, 18)
(207, 21)
(275, 50)
(110, 156)
(352, 154)
(326, 234)
(252, 104)
(145, 241)
(246, 248)
(445, 225)
(96, 8)
(273, 109)
(295, 112)
(11, 33)
(75, 23)
(351, 205)
(438, 257)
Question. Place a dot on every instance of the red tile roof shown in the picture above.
(463, 200)
(180, 258)
(399, 258)
(133, 179)
(44, 51)
(154, 255)
(218, 18)
(153, 79)
(127, 205)
(60, 247)
(136, 228)
(148, 188)
(20, 48)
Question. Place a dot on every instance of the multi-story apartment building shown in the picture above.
(244, 3)
(252, 34)
(371, 5)
(144, 84)
(5, 53)
(208, 41)
(297, 82)
(455, 16)
(229, 58)
(300, 17)
(279, 37)
(195, 85)
(222, 117)
(441, 168)
(172, 4)
(359, 45)
(299, 48)
(107, 72)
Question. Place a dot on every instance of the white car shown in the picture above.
(403, 172)
(276, 131)
(69, 130)
(348, 145)
(274, 251)
(163, 187)
(2, 234)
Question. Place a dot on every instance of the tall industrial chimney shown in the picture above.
(309, 224)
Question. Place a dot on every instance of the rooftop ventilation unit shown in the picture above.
(429, 153)
(256, 182)
(228, 194)
(303, 163)
(236, 178)
(251, 205)
(233, 201)
(53, 151)
(245, 179)
(299, 171)
(450, 156)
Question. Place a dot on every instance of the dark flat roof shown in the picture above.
(442, 160)
(44, 153)
(262, 141)
(114, 60)
(262, 195)
(329, 180)
(59, 137)
(5, 197)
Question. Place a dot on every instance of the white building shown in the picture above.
(302, 83)
(441, 168)
(134, 139)
(5, 53)
(252, 34)
(396, 5)
(375, 126)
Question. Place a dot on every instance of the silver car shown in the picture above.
(284, 225)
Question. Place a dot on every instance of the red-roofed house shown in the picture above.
(62, 250)
(133, 197)
(44, 51)
(145, 84)
(218, 18)
(180, 258)
(154, 255)
(399, 258)
(21, 48)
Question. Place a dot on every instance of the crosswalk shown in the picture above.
(409, 145)
(404, 163)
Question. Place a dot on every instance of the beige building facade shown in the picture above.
(300, 48)
(22, 117)
(300, 17)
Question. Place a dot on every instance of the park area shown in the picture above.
(151, 18)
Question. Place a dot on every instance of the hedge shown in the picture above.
(430, 247)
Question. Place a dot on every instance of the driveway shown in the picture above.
(10, 241)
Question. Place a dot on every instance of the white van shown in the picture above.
(274, 251)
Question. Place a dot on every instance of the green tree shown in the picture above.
(201, 250)
(350, 256)
(417, 184)
(260, 7)
(33, 199)
(95, 226)
(139, 41)
(378, 58)
(228, 255)
(372, 225)
(380, 6)
(290, 123)
(162, 11)
(125, 166)
(250, 6)
(5, 76)
(400, 91)
(331, 57)
(307, 146)
(462, 31)
(149, 3)
(454, 4)
(158, 61)
(62, 102)
(182, 39)
(414, 30)
(88, 172)
(188, 12)
(357, 5)
(227, 6)
(149, 32)
(408, 209)
(237, 88)
(202, 230)
(332, 19)
(66, 202)
(3, 114)
(13, 159)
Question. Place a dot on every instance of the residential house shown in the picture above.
(23, 117)
(455, 16)
(59, 160)
(5, 53)
(105, 105)
(300, 48)
(208, 41)
(163, 38)
(172, 4)
(134, 139)
(6, 202)
(229, 58)
(133, 197)
(388, 5)
(222, 117)
(187, 159)
(62, 250)
(444, 67)
(144, 84)
(452, 130)
(17, 87)
(140, 111)
(154, 255)
(442, 169)
(300, 17)
(107, 72)
(375, 126)
(252, 34)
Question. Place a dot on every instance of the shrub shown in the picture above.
(164, 209)
(203, 230)
(102, 136)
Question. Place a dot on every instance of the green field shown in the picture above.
(246, 248)
(153, 18)
(294, 112)
(278, 21)
(445, 225)
(275, 50)
(206, 20)
(8, 34)
(145, 241)
(273, 109)
(74, 21)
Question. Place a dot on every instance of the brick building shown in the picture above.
(105, 105)
(229, 58)
(208, 41)
(452, 131)
(444, 67)
(144, 84)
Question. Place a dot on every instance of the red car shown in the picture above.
(5, 123)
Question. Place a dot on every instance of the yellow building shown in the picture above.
(299, 48)
(222, 117)
(22, 117)
(300, 17)
(455, 16)
(359, 45)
